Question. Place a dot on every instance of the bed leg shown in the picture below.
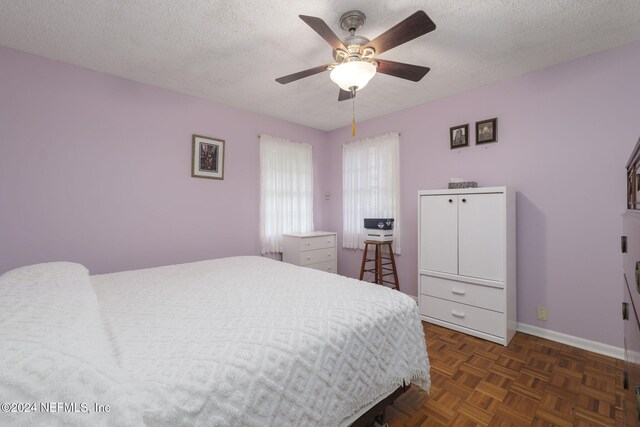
(379, 420)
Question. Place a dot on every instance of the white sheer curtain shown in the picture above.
(286, 190)
(370, 187)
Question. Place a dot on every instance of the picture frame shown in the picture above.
(459, 136)
(487, 131)
(207, 157)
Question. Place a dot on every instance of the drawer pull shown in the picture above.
(450, 200)
(625, 380)
(638, 276)
(637, 403)
(623, 244)
(457, 292)
(457, 314)
(625, 311)
(308, 258)
(328, 254)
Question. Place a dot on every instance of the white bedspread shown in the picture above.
(248, 341)
(56, 363)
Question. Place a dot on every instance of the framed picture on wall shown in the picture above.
(207, 157)
(487, 131)
(459, 136)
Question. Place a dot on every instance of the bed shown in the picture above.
(234, 341)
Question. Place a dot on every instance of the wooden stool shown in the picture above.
(380, 263)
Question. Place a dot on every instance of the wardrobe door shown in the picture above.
(439, 233)
(481, 236)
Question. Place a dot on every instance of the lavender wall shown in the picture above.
(96, 169)
(565, 134)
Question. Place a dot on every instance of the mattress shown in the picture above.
(241, 341)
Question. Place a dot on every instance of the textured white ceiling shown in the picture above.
(231, 51)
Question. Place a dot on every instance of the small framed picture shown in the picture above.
(487, 131)
(207, 157)
(459, 136)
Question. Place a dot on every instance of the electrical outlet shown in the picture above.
(542, 313)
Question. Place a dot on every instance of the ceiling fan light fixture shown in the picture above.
(353, 74)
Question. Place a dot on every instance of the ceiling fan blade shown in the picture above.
(404, 71)
(414, 26)
(344, 95)
(302, 74)
(320, 27)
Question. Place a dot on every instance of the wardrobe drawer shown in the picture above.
(320, 242)
(328, 266)
(466, 293)
(479, 319)
(317, 256)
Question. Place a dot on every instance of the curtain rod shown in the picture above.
(399, 134)
(370, 137)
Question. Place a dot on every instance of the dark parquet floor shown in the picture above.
(532, 382)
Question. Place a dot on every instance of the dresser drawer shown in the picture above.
(328, 266)
(320, 242)
(466, 293)
(316, 256)
(479, 319)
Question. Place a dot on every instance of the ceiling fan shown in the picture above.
(355, 56)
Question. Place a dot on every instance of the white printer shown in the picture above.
(378, 229)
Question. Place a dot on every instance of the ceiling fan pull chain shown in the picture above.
(353, 112)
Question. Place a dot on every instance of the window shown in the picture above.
(286, 190)
(370, 187)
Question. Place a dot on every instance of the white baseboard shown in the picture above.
(596, 347)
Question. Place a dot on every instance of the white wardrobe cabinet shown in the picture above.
(466, 270)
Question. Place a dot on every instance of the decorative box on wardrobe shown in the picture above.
(316, 249)
(467, 260)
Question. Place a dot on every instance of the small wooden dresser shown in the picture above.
(316, 249)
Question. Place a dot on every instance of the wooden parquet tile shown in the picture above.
(532, 382)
